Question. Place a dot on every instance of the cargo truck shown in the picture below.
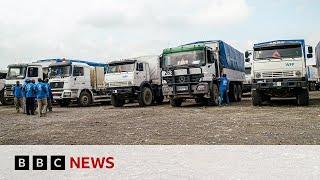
(279, 70)
(192, 71)
(20, 72)
(78, 81)
(135, 79)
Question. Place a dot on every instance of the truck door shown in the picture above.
(141, 73)
(79, 77)
(34, 72)
(210, 68)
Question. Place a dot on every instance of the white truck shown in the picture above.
(78, 81)
(135, 79)
(313, 77)
(3, 75)
(248, 82)
(21, 72)
(279, 70)
(192, 71)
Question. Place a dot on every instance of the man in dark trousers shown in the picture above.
(223, 88)
(18, 96)
(29, 88)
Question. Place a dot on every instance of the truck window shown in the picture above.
(78, 71)
(140, 67)
(210, 57)
(33, 72)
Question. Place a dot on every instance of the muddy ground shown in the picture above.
(280, 122)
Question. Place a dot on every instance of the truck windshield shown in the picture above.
(278, 52)
(17, 72)
(184, 58)
(60, 71)
(119, 68)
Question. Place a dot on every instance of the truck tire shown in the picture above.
(85, 99)
(214, 96)
(116, 101)
(233, 93)
(64, 103)
(303, 98)
(7, 101)
(256, 98)
(176, 102)
(239, 96)
(145, 97)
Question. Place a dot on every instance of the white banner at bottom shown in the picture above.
(159, 162)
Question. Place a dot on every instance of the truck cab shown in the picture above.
(192, 71)
(76, 81)
(20, 72)
(279, 70)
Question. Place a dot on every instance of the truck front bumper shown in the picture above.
(278, 84)
(186, 90)
(124, 92)
(64, 94)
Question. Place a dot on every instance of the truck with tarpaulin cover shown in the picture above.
(279, 70)
(78, 81)
(192, 71)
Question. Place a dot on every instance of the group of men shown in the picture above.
(29, 94)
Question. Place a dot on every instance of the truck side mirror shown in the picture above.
(140, 67)
(309, 56)
(310, 50)
(247, 54)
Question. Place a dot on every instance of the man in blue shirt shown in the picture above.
(49, 95)
(41, 92)
(17, 93)
(29, 90)
(24, 96)
(223, 88)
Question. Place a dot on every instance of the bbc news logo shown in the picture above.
(43, 162)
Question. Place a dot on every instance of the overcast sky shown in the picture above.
(101, 30)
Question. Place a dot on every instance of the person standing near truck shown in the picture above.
(17, 93)
(29, 88)
(49, 95)
(41, 92)
(24, 96)
(223, 88)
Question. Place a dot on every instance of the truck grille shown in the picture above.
(119, 84)
(8, 87)
(183, 79)
(278, 74)
(56, 85)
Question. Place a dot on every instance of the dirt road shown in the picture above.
(279, 123)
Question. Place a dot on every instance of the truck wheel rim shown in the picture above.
(85, 100)
(148, 97)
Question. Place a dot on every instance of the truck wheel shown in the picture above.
(64, 103)
(145, 97)
(175, 102)
(239, 95)
(116, 101)
(303, 98)
(214, 96)
(256, 98)
(233, 94)
(7, 101)
(85, 99)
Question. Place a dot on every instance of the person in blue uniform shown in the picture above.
(41, 92)
(18, 96)
(224, 88)
(29, 90)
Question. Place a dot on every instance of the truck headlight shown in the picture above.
(201, 88)
(258, 75)
(298, 73)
